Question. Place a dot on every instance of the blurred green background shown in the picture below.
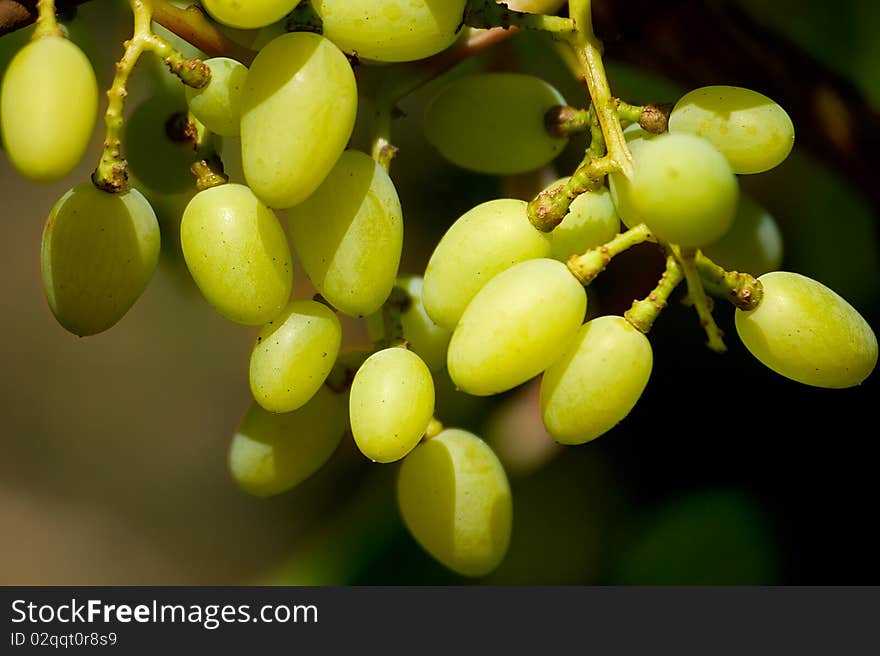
(113, 448)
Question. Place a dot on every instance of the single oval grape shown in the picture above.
(388, 30)
(293, 355)
(597, 382)
(218, 104)
(754, 133)
(298, 110)
(455, 500)
(619, 185)
(48, 106)
(349, 235)
(591, 221)
(272, 453)
(806, 332)
(391, 404)
(250, 14)
(494, 123)
(519, 324)
(482, 243)
(752, 245)
(99, 252)
(237, 253)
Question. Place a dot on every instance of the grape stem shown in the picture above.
(47, 23)
(209, 173)
(588, 266)
(644, 313)
(489, 13)
(741, 289)
(382, 150)
(392, 327)
(192, 25)
(548, 208)
(697, 295)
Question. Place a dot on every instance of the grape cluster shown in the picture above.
(502, 299)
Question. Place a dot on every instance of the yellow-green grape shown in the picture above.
(218, 104)
(272, 453)
(99, 253)
(293, 355)
(48, 106)
(390, 30)
(424, 337)
(752, 132)
(237, 253)
(619, 185)
(804, 331)
(455, 500)
(298, 111)
(349, 235)
(482, 243)
(519, 324)
(250, 14)
(494, 123)
(591, 221)
(391, 404)
(597, 382)
(752, 245)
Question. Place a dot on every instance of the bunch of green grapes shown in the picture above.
(502, 299)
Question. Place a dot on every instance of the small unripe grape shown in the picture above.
(804, 331)
(349, 235)
(293, 355)
(455, 500)
(298, 110)
(482, 243)
(49, 103)
(218, 104)
(250, 14)
(519, 324)
(751, 131)
(237, 253)
(597, 382)
(494, 123)
(99, 253)
(591, 221)
(272, 453)
(391, 404)
(752, 245)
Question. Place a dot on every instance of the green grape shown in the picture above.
(250, 14)
(349, 235)
(99, 253)
(597, 382)
(519, 324)
(298, 110)
(48, 106)
(753, 244)
(455, 500)
(482, 243)
(389, 30)
(682, 188)
(751, 131)
(494, 123)
(391, 404)
(804, 331)
(272, 453)
(619, 185)
(218, 104)
(237, 254)
(591, 221)
(293, 355)
(424, 337)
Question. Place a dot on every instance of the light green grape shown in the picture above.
(682, 188)
(455, 500)
(218, 104)
(591, 221)
(494, 123)
(619, 185)
(293, 355)
(752, 245)
(250, 14)
(482, 243)
(48, 106)
(237, 254)
(391, 404)
(99, 253)
(752, 132)
(298, 110)
(804, 331)
(597, 382)
(349, 235)
(519, 324)
(391, 30)
(272, 453)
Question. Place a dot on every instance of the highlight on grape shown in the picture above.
(268, 126)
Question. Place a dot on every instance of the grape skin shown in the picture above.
(248, 15)
(752, 245)
(455, 499)
(218, 104)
